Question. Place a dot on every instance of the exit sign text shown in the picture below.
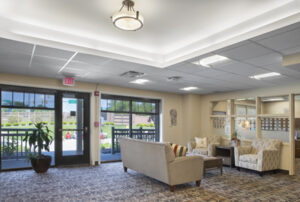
(69, 81)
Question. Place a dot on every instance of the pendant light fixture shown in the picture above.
(127, 18)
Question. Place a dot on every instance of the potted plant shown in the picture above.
(234, 140)
(39, 140)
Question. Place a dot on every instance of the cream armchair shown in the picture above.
(210, 150)
(262, 155)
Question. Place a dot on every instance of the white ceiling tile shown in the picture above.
(247, 51)
(91, 59)
(243, 69)
(265, 59)
(52, 52)
(282, 41)
(10, 46)
(39, 62)
(291, 50)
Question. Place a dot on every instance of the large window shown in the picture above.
(20, 109)
(129, 117)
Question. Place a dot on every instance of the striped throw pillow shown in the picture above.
(179, 150)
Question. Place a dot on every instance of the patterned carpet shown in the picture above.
(108, 182)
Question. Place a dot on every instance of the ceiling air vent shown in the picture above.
(132, 74)
(174, 78)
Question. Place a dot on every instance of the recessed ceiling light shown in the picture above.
(263, 76)
(140, 81)
(189, 88)
(208, 61)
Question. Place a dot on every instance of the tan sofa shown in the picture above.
(262, 155)
(157, 160)
(210, 150)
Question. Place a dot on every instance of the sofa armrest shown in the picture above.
(185, 169)
(240, 151)
(211, 149)
(191, 145)
(268, 159)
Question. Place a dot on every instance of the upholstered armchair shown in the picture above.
(209, 150)
(262, 155)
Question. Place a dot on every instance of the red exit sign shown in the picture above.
(69, 81)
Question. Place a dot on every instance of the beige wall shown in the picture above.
(275, 107)
(187, 117)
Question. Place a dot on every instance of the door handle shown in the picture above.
(86, 129)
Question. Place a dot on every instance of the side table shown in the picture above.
(227, 154)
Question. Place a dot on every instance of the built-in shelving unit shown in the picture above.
(260, 117)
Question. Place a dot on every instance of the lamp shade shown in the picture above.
(128, 19)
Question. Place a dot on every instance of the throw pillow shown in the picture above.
(201, 142)
(179, 150)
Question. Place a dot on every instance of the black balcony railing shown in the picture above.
(12, 144)
(142, 134)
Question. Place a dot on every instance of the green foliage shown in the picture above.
(10, 148)
(106, 145)
(45, 122)
(109, 123)
(145, 125)
(12, 118)
(2, 124)
(65, 123)
(23, 123)
(30, 123)
(71, 122)
(8, 124)
(16, 124)
(51, 122)
(39, 140)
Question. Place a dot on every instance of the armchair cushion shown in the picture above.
(202, 151)
(249, 158)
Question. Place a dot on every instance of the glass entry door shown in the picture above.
(72, 139)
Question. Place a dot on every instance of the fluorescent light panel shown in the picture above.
(273, 99)
(189, 88)
(140, 81)
(266, 75)
(208, 61)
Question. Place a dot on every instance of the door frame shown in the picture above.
(73, 159)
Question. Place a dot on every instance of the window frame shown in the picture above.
(131, 112)
(25, 90)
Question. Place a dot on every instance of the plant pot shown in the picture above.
(235, 142)
(42, 164)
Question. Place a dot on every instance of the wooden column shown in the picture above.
(258, 118)
(292, 133)
(230, 111)
(210, 119)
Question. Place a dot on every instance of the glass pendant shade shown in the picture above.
(128, 19)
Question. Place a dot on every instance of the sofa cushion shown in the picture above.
(249, 158)
(179, 150)
(202, 151)
(201, 142)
